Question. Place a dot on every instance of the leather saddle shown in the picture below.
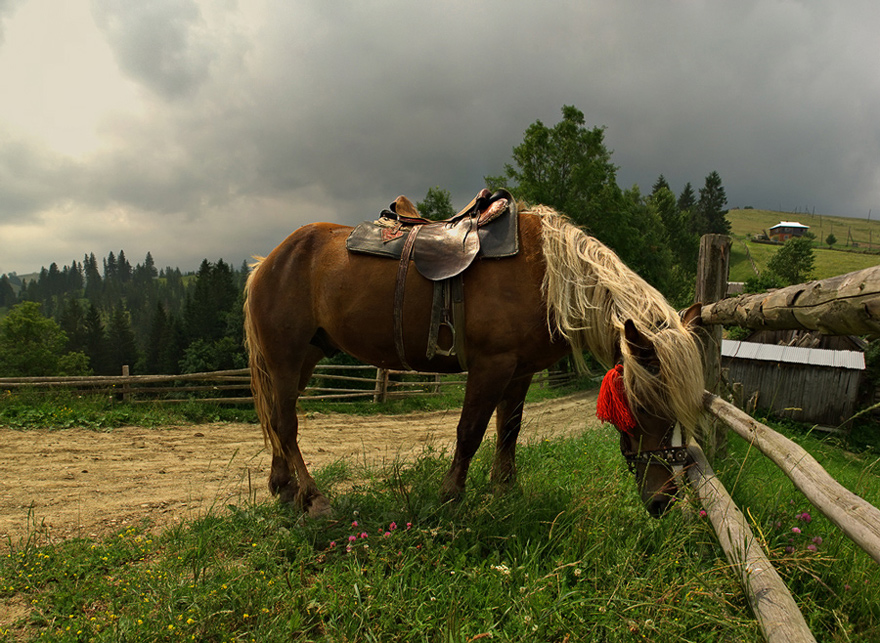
(486, 227)
(441, 252)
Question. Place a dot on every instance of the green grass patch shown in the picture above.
(845, 258)
(570, 554)
(63, 410)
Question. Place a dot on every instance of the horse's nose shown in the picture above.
(657, 508)
(660, 505)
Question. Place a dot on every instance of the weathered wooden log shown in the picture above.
(857, 518)
(774, 608)
(844, 305)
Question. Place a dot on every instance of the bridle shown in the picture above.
(675, 455)
(613, 406)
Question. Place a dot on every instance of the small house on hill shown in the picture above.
(785, 230)
(804, 384)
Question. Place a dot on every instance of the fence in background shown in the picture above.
(341, 383)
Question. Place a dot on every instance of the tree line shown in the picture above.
(82, 319)
(160, 321)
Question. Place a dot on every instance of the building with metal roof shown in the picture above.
(806, 384)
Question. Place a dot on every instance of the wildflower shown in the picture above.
(504, 569)
(332, 544)
(811, 547)
(354, 523)
(806, 517)
(789, 549)
(386, 534)
(796, 530)
(392, 526)
(352, 538)
(702, 513)
(409, 525)
(818, 540)
(348, 549)
(363, 534)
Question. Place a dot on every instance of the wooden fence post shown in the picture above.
(126, 387)
(712, 273)
(380, 393)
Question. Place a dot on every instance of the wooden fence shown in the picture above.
(848, 304)
(336, 382)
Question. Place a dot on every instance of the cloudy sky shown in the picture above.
(212, 128)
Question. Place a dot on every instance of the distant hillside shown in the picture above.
(857, 247)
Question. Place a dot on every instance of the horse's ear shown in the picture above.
(692, 317)
(640, 346)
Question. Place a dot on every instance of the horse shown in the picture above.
(563, 293)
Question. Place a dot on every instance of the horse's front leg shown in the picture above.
(487, 381)
(508, 421)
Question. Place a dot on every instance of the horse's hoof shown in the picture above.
(319, 507)
(286, 495)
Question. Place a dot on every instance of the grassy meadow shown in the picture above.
(568, 555)
(844, 257)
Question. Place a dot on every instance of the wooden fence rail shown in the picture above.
(328, 383)
(778, 615)
(857, 518)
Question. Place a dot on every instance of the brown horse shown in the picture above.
(564, 291)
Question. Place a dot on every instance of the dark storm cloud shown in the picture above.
(262, 116)
(159, 42)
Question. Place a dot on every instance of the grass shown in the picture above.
(60, 409)
(571, 554)
(568, 555)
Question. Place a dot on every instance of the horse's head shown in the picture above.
(651, 438)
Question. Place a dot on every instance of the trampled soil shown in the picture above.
(77, 482)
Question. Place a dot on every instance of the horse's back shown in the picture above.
(310, 282)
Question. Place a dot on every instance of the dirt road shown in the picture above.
(77, 482)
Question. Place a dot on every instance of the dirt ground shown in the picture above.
(77, 482)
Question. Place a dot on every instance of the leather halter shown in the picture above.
(675, 456)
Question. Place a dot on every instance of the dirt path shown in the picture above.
(76, 482)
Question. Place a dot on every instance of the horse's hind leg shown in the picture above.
(290, 478)
(486, 385)
(508, 421)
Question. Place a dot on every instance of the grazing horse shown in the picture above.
(563, 292)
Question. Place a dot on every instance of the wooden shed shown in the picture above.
(805, 384)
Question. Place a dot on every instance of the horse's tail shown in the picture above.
(261, 380)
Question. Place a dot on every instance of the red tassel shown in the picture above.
(612, 405)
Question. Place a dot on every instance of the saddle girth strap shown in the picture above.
(399, 292)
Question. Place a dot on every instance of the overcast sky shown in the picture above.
(211, 129)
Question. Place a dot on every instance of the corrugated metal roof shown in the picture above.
(789, 224)
(851, 360)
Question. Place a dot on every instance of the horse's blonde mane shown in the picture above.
(591, 293)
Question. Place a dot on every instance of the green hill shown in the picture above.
(857, 247)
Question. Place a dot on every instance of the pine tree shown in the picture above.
(121, 345)
(660, 184)
(7, 292)
(96, 342)
(687, 199)
(710, 215)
